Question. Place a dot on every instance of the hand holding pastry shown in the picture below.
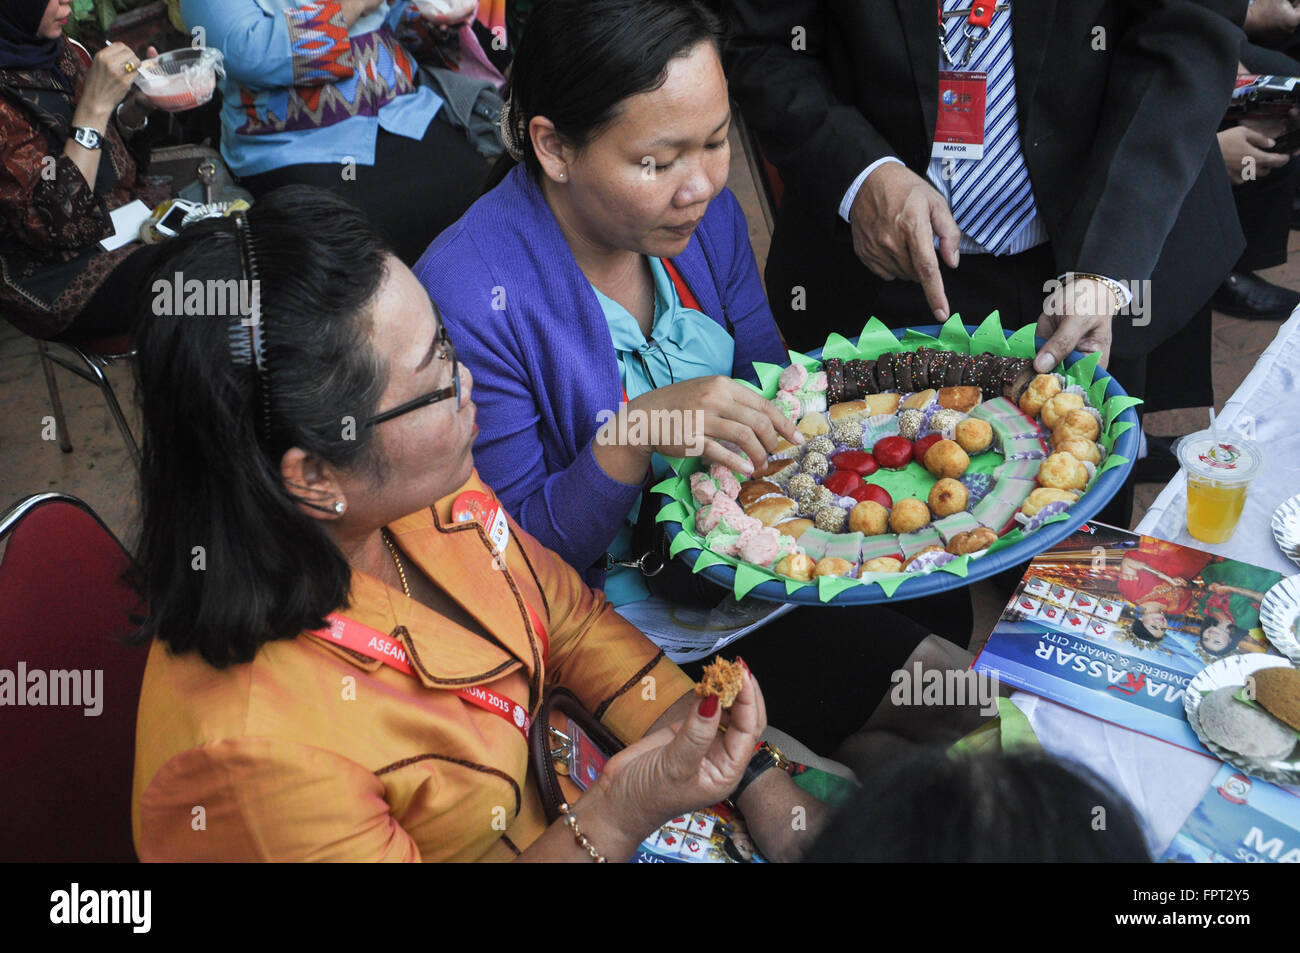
(687, 765)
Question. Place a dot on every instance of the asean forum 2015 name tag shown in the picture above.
(959, 128)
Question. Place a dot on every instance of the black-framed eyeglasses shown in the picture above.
(445, 352)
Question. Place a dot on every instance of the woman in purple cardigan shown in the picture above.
(609, 278)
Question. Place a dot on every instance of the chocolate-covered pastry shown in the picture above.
(885, 372)
(834, 368)
(920, 370)
(937, 367)
(956, 367)
(859, 379)
(1017, 380)
(990, 377)
(904, 368)
(970, 371)
(869, 385)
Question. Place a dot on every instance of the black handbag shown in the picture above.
(668, 578)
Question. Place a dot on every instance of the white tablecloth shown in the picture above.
(1163, 782)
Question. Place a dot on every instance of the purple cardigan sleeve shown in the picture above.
(575, 511)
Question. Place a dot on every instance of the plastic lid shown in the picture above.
(1221, 456)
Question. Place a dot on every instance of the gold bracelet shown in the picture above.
(578, 836)
(1109, 284)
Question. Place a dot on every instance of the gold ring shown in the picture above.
(129, 67)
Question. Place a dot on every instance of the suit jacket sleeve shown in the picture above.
(1159, 118)
(819, 143)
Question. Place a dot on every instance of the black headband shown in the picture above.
(252, 324)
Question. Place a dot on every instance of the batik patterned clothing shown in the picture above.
(51, 220)
(301, 87)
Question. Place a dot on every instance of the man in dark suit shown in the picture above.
(1101, 168)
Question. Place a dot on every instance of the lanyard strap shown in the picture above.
(978, 17)
(373, 644)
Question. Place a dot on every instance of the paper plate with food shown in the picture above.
(933, 457)
(1246, 711)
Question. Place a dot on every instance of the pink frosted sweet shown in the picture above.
(709, 516)
(703, 488)
(788, 405)
(816, 383)
(793, 378)
(739, 521)
(759, 546)
(727, 482)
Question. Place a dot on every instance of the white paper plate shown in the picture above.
(1233, 671)
(1286, 528)
(1279, 614)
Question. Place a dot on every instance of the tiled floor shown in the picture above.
(99, 469)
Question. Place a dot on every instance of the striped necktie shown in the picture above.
(991, 198)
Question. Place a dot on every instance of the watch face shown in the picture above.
(86, 137)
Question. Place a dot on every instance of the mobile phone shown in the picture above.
(170, 224)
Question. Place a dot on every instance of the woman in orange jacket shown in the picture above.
(341, 669)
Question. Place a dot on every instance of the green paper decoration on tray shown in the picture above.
(875, 340)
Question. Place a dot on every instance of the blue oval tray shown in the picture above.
(1107, 485)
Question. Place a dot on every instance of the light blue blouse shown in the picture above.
(683, 344)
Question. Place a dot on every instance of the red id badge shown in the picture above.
(959, 129)
(473, 506)
(586, 761)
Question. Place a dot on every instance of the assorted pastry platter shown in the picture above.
(929, 460)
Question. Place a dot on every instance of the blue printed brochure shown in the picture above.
(1115, 625)
(1240, 820)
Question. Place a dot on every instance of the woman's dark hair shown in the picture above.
(1235, 634)
(1140, 631)
(579, 59)
(228, 560)
(991, 808)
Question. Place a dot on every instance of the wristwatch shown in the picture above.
(766, 755)
(86, 137)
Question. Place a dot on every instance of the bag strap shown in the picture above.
(564, 702)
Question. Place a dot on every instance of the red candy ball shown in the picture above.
(876, 494)
(920, 447)
(859, 461)
(893, 453)
(842, 482)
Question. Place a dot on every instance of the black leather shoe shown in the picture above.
(1246, 295)
(1160, 464)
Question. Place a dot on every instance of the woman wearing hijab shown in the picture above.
(72, 154)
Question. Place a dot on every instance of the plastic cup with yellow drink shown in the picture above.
(1219, 466)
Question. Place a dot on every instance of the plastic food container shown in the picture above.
(180, 79)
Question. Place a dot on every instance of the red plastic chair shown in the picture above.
(65, 606)
(87, 359)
